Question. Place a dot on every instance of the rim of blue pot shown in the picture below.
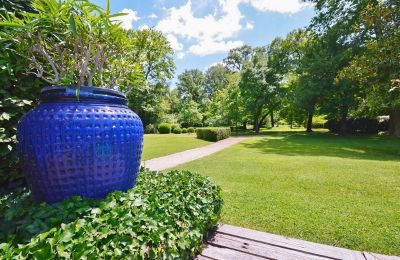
(81, 94)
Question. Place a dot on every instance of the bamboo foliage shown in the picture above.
(73, 42)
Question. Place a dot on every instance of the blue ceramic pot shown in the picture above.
(79, 141)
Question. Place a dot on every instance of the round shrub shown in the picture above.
(174, 126)
(150, 129)
(184, 130)
(169, 222)
(191, 130)
(164, 128)
(177, 130)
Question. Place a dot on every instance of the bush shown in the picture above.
(184, 130)
(177, 130)
(169, 222)
(355, 126)
(191, 130)
(213, 134)
(319, 122)
(150, 129)
(164, 128)
(174, 126)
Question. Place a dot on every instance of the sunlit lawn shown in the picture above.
(343, 191)
(156, 145)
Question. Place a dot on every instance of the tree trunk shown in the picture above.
(343, 120)
(394, 122)
(272, 118)
(244, 125)
(256, 127)
(309, 122)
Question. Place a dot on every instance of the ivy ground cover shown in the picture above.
(342, 191)
(166, 215)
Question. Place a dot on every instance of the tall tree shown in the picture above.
(377, 69)
(259, 87)
(238, 57)
(216, 78)
(191, 86)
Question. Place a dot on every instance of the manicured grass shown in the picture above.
(156, 145)
(343, 191)
(280, 128)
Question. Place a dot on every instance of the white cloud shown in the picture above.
(216, 32)
(181, 55)
(152, 16)
(128, 19)
(209, 33)
(214, 64)
(280, 6)
(144, 27)
(249, 26)
(175, 44)
(211, 47)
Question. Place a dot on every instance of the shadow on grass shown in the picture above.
(326, 144)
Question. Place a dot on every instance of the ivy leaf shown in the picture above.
(5, 116)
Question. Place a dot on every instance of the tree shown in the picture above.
(150, 103)
(377, 68)
(259, 87)
(216, 78)
(191, 85)
(238, 57)
(153, 51)
(189, 113)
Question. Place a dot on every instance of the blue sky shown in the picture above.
(202, 32)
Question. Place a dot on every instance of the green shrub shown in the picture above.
(174, 126)
(355, 125)
(150, 129)
(164, 128)
(169, 222)
(213, 134)
(184, 130)
(177, 130)
(319, 122)
(191, 130)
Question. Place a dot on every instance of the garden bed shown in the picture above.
(166, 215)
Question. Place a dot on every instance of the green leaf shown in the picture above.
(72, 25)
(11, 24)
(108, 7)
(5, 116)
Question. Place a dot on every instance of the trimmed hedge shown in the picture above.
(355, 126)
(213, 134)
(167, 222)
(191, 130)
(177, 130)
(184, 130)
(174, 126)
(164, 128)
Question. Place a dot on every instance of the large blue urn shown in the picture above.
(79, 141)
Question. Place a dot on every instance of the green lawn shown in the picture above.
(156, 145)
(343, 191)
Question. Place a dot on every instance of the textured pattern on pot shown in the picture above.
(79, 141)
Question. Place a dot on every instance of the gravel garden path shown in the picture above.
(172, 160)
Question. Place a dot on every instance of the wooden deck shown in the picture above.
(230, 242)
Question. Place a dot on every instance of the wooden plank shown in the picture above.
(290, 243)
(374, 256)
(221, 253)
(202, 257)
(259, 249)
